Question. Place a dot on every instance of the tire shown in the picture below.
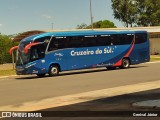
(125, 63)
(41, 75)
(53, 70)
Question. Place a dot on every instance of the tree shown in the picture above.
(125, 11)
(5, 45)
(99, 24)
(149, 12)
(107, 24)
(82, 26)
(137, 12)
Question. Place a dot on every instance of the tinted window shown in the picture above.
(75, 42)
(37, 52)
(45, 40)
(103, 40)
(141, 38)
(121, 39)
(89, 41)
(58, 43)
(82, 41)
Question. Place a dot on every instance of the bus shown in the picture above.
(54, 52)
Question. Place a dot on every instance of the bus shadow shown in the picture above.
(62, 74)
(94, 71)
(86, 71)
(82, 72)
(27, 77)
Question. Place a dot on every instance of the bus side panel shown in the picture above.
(56, 57)
(80, 58)
(140, 54)
(88, 57)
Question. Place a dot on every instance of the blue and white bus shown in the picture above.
(53, 52)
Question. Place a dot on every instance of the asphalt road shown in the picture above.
(21, 89)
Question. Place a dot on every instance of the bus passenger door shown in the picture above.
(36, 57)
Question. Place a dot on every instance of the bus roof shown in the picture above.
(78, 33)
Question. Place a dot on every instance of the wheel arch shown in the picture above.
(127, 58)
(123, 64)
(56, 64)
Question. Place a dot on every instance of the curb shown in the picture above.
(8, 76)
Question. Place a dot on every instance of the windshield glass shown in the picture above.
(34, 53)
(22, 58)
(18, 59)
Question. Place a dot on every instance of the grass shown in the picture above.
(154, 58)
(7, 72)
(10, 71)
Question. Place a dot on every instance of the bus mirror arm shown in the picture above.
(13, 48)
(30, 45)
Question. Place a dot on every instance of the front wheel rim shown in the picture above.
(126, 63)
(54, 71)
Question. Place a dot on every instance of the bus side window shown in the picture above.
(76, 42)
(37, 52)
(141, 38)
(53, 45)
(63, 43)
(90, 41)
(113, 41)
(104, 40)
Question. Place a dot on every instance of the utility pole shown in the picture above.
(91, 14)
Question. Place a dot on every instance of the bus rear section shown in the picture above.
(141, 51)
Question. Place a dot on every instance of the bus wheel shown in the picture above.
(125, 63)
(53, 71)
(41, 75)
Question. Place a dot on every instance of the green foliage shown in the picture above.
(82, 26)
(125, 11)
(148, 12)
(5, 45)
(7, 72)
(99, 24)
(137, 12)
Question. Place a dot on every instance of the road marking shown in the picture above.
(81, 97)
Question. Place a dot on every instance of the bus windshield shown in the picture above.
(22, 58)
(34, 53)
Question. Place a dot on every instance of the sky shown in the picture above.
(18, 16)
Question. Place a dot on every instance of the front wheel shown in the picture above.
(53, 71)
(125, 63)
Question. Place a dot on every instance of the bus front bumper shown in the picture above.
(21, 70)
